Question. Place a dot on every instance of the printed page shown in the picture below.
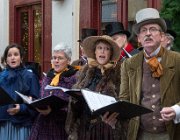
(25, 98)
(62, 88)
(96, 100)
(45, 74)
(56, 87)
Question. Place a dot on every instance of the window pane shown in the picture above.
(109, 13)
(133, 7)
(109, 10)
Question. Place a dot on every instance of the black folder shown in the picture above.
(53, 101)
(75, 93)
(5, 98)
(100, 104)
(125, 109)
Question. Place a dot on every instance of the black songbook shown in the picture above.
(75, 93)
(5, 98)
(52, 100)
(100, 104)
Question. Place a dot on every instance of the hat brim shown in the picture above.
(158, 21)
(127, 33)
(172, 33)
(89, 46)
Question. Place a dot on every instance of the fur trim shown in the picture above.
(107, 84)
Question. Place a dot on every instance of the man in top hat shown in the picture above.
(85, 32)
(117, 32)
(152, 79)
(169, 37)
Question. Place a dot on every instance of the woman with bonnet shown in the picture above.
(99, 76)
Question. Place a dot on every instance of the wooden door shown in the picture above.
(30, 24)
(29, 31)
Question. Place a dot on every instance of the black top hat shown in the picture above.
(116, 28)
(86, 32)
(169, 30)
(34, 66)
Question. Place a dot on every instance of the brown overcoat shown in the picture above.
(131, 81)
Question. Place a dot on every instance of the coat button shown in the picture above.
(153, 85)
(154, 128)
(153, 96)
(153, 106)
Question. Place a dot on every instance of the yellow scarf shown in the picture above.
(55, 80)
(94, 63)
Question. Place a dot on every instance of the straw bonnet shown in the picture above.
(148, 16)
(89, 46)
(116, 28)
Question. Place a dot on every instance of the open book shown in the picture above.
(51, 100)
(5, 98)
(75, 93)
(99, 104)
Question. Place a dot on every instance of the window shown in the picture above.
(109, 13)
(109, 10)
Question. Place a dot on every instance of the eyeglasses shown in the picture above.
(151, 30)
(58, 58)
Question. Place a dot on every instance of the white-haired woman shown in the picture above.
(50, 123)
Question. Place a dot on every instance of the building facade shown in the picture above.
(38, 25)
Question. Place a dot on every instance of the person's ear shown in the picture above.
(138, 39)
(69, 61)
(169, 41)
(125, 36)
(163, 36)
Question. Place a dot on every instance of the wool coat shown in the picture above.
(131, 81)
(51, 126)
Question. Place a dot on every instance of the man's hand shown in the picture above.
(167, 114)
